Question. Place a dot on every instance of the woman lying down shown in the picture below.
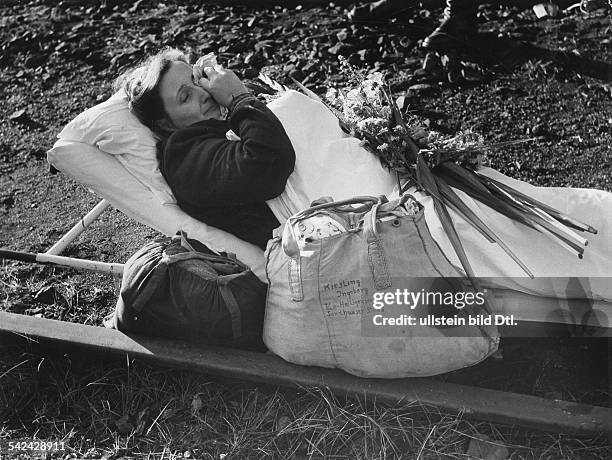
(278, 158)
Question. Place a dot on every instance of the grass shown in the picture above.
(115, 408)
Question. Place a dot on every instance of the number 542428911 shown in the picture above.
(32, 445)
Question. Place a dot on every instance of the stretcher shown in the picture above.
(118, 188)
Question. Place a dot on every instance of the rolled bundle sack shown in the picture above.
(337, 275)
(178, 288)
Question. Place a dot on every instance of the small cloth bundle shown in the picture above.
(171, 289)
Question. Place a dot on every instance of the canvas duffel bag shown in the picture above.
(178, 288)
(324, 270)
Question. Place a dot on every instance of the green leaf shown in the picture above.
(464, 175)
(476, 222)
(489, 195)
(412, 145)
(428, 182)
(309, 93)
(558, 215)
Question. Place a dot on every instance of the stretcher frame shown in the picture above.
(472, 402)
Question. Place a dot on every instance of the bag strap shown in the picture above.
(185, 242)
(341, 205)
(234, 309)
(376, 254)
(294, 276)
(183, 237)
(151, 283)
(193, 253)
(222, 283)
(224, 289)
(291, 250)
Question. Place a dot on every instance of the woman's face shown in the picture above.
(185, 102)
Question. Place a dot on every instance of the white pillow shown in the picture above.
(112, 128)
(106, 176)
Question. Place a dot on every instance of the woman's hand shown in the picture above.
(222, 84)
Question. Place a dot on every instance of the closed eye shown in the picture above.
(184, 96)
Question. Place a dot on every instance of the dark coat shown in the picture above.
(226, 183)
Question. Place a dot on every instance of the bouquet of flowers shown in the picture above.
(366, 111)
(439, 164)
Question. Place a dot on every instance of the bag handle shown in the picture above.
(185, 242)
(187, 245)
(230, 258)
(290, 246)
(340, 205)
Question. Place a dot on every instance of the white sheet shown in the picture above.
(328, 162)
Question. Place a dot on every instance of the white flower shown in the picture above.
(372, 125)
(383, 147)
(372, 88)
(332, 95)
(376, 77)
(353, 95)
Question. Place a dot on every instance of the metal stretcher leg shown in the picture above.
(52, 255)
(79, 228)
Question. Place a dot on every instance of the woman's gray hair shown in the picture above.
(141, 86)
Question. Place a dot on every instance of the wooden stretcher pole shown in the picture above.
(79, 228)
(473, 402)
(52, 259)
